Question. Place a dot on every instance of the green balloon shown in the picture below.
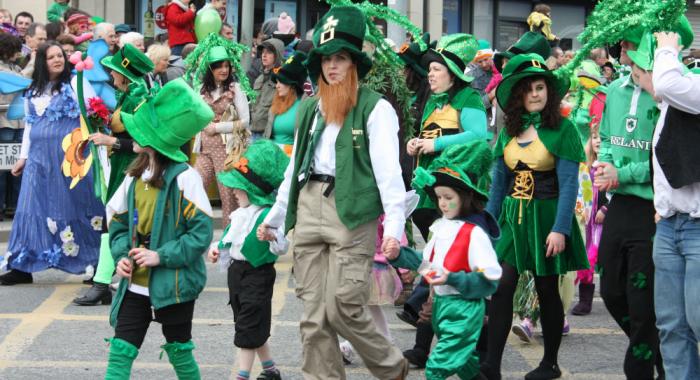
(207, 21)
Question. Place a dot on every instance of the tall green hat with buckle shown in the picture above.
(259, 172)
(162, 123)
(292, 72)
(411, 54)
(530, 42)
(342, 28)
(461, 166)
(130, 62)
(526, 65)
(455, 51)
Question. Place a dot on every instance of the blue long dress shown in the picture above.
(54, 226)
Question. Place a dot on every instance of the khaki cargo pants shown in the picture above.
(332, 267)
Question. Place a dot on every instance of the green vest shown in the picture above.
(257, 252)
(357, 198)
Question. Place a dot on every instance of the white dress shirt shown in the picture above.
(683, 93)
(382, 130)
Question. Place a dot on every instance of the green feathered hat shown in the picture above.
(455, 51)
(259, 172)
(526, 65)
(530, 42)
(411, 54)
(162, 123)
(129, 62)
(461, 166)
(292, 72)
(342, 28)
(682, 27)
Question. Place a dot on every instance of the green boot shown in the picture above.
(121, 357)
(180, 356)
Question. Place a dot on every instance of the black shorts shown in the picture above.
(250, 292)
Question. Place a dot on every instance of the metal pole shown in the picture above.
(247, 20)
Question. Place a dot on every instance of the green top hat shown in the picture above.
(292, 72)
(454, 51)
(259, 172)
(218, 54)
(526, 65)
(130, 62)
(162, 122)
(682, 27)
(461, 166)
(411, 54)
(341, 28)
(530, 42)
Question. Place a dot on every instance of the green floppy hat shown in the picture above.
(162, 122)
(341, 28)
(259, 172)
(130, 62)
(218, 54)
(461, 166)
(411, 54)
(454, 51)
(526, 65)
(530, 42)
(292, 72)
(644, 55)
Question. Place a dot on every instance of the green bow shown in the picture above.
(440, 99)
(532, 118)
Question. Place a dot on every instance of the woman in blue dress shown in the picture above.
(54, 226)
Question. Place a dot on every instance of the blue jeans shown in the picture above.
(9, 184)
(676, 294)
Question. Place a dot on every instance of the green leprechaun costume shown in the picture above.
(343, 175)
(134, 66)
(171, 219)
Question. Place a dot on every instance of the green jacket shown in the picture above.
(357, 197)
(56, 11)
(182, 232)
(255, 251)
(626, 135)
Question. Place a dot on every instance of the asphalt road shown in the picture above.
(44, 336)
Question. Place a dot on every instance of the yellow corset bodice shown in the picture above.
(535, 155)
(446, 117)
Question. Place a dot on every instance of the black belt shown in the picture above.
(528, 184)
(325, 178)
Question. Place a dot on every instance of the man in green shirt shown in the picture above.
(625, 250)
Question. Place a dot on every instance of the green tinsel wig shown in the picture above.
(611, 18)
(197, 64)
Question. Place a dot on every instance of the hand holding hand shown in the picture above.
(390, 248)
(412, 147)
(124, 268)
(213, 254)
(605, 176)
(439, 280)
(144, 257)
(264, 233)
(556, 242)
(426, 146)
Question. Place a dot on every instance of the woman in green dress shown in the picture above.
(129, 69)
(533, 194)
(454, 113)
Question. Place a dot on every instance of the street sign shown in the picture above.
(9, 154)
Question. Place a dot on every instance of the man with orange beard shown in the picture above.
(343, 174)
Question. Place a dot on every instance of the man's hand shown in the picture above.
(213, 254)
(390, 248)
(668, 39)
(605, 176)
(18, 167)
(144, 257)
(124, 268)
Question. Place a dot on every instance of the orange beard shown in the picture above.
(281, 104)
(337, 100)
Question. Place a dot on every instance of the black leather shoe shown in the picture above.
(407, 317)
(269, 375)
(416, 357)
(545, 371)
(97, 294)
(14, 277)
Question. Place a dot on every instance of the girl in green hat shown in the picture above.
(458, 261)
(250, 262)
(533, 195)
(454, 113)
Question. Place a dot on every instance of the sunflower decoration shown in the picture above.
(78, 156)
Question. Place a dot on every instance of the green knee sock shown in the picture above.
(180, 356)
(105, 264)
(121, 357)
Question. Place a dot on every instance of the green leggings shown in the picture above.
(105, 265)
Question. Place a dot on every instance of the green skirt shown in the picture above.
(523, 238)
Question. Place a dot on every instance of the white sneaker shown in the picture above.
(347, 351)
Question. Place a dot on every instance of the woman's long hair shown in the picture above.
(209, 84)
(41, 79)
(515, 108)
(143, 162)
